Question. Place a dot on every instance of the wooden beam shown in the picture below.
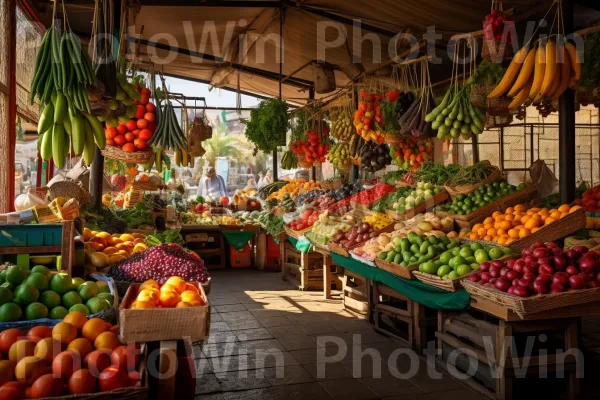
(12, 102)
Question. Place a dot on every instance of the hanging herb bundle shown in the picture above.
(268, 125)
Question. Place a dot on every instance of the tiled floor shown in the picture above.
(270, 341)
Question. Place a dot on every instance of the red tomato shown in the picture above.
(122, 129)
(151, 108)
(141, 110)
(110, 132)
(129, 147)
(110, 142)
(140, 144)
(120, 140)
(82, 381)
(145, 134)
(152, 126)
(149, 117)
(12, 391)
(125, 358)
(112, 378)
(129, 137)
(131, 125)
(46, 386)
(145, 99)
(142, 123)
(145, 92)
(136, 132)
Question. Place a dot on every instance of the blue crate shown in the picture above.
(31, 235)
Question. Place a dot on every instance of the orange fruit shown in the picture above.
(107, 340)
(520, 207)
(534, 230)
(177, 282)
(148, 295)
(524, 233)
(21, 349)
(549, 220)
(76, 318)
(564, 208)
(555, 215)
(87, 234)
(506, 225)
(488, 238)
(81, 346)
(574, 208)
(513, 233)
(496, 214)
(65, 363)
(194, 288)
(491, 232)
(114, 329)
(509, 217)
(532, 223)
(143, 305)
(149, 284)
(488, 221)
(501, 232)
(501, 241)
(38, 333)
(476, 227)
(169, 298)
(29, 369)
(93, 328)
(509, 210)
(473, 236)
(188, 296)
(46, 349)
(64, 332)
(82, 381)
(9, 337)
(183, 304)
(481, 231)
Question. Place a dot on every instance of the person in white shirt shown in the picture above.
(212, 186)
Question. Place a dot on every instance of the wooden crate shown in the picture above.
(355, 294)
(497, 348)
(398, 316)
(306, 270)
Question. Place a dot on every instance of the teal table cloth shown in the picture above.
(418, 291)
(237, 240)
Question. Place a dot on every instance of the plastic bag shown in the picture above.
(543, 178)
(28, 200)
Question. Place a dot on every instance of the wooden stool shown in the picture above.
(176, 369)
(402, 318)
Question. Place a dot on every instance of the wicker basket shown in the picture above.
(524, 306)
(345, 251)
(69, 189)
(137, 157)
(497, 121)
(449, 285)
(498, 106)
(466, 189)
(295, 234)
(495, 51)
(396, 269)
(148, 186)
(418, 209)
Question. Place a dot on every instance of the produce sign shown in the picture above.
(410, 153)
(368, 118)
(31, 295)
(174, 293)
(160, 263)
(462, 260)
(543, 269)
(539, 75)
(464, 204)
(93, 360)
(63, 73)
(423, 193)
(516, 223)
(415, 250)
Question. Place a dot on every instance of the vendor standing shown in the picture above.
(212, 186)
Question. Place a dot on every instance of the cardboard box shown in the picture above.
(150, 325)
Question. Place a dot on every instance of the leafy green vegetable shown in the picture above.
(166, 237)
(392, 177)
(390, 198)
(139, 215)
(268, 124)
(102, 219)
(272, 223)
(437, 174)
(390, 116)
(487, 73)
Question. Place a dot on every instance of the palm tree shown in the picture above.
(223, 145)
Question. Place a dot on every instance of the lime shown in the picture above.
(446, 257)
(69, 299)
(496, 253)
(102, 287)
(463, 270)
(111, 298)
(16, 275)
(470, 260)
(77, 282)
(61, 283)
(10, 312)
(429, 268)
(453, 275)
(38, 280)
(443, 270)
(81, 308)
(475, 266)
(476, 246)
(88, 290)
(41, 269)
(466, 252)
(96, 304)
(5, 295)
(26, 294)
(3, 276)
(50, 299)
(456, 261)
(36, 311)
(58, 313)
(481, 256)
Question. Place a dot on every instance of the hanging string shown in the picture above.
(238, 95)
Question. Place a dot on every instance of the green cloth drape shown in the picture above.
(237, 240)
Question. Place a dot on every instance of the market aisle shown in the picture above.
(254, 311)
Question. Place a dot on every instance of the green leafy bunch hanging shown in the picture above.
(268, 125)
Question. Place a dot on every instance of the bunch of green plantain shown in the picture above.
(122, 108)
(341, 124)
(289, 160)
(339, 155)
(63, 73)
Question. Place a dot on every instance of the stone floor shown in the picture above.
(313, 347)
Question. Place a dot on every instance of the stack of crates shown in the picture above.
(273, 255)
(240, 258)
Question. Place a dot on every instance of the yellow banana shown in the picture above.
(510, 75)
(538, 76)
(192, 162)
(565, 75)
(575, 61)
(521, 97)
(184, 157)
(177, 158)
(524, 75)
(551, 73)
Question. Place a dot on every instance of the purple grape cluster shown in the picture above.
(160, 263)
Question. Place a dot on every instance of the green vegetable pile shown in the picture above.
(487, 73)
(271, 223)
(102, 219)
(392, 177)
(414, 249)
(390, 116)
(137, 216)
(473, 174)
(437, 174)
(166, 237)
(390, 198)
(465, 204)
(268, 125)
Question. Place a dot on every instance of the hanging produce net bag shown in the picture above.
(495, 49)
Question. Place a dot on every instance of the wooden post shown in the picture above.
(12, 103)
(326, 276)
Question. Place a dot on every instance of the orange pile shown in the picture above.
(516, 223)
(111, 249)
(77, 356)
(175, 293)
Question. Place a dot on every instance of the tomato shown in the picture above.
(125, 358)
(110, 142)
(141, 110)
(129, 137)
(122, 129)
(145, 99)
(140, 144)
(145, 92)
(12, 391)
(142, 124)
(152, 126)
(82, 381)
(129, 147)
(151, 108)
(145, 134)
(149, 117)
(120, 140)
(131, 125)
(46, 386)
(110, 132)
(112, 378)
